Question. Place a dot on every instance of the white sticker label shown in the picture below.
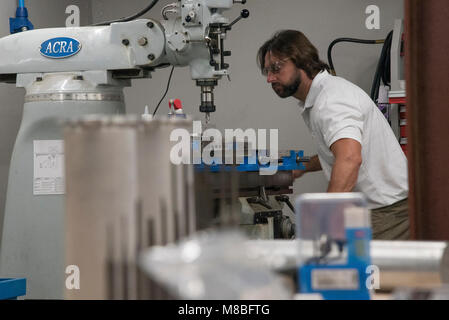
(335, 279)
(48, 167)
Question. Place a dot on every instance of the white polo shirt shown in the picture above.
(335, 109)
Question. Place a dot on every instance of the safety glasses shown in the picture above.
(275, 67)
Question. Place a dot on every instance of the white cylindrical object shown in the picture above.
(147, 116)
(101, 199)
(166, 188)
(166, 206)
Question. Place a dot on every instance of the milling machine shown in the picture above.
(70, 72)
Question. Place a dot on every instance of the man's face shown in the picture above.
(283, 75)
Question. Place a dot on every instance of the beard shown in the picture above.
(285, 91)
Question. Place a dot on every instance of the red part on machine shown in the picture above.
(177, 104)
(398, 100)
(401, 102)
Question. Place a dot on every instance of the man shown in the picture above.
(357, 149)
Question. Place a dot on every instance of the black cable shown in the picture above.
(386, 71)
(130, 18)
(333, 43)
(383, 68)
(166, 90)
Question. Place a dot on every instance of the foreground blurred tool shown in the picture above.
(412, 264)
(339, 226)
(82, 70)
(189, 269)
(129, 196)
(101, 197)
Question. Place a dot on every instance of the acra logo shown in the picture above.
(58, 48)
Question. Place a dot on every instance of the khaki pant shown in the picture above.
(391, 222)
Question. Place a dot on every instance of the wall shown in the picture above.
(248, 101)
(43, 14)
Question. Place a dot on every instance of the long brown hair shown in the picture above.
(294, 45)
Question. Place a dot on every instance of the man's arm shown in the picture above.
(311, 166)
(348, 159)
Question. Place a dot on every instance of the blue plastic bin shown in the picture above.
(12, 288)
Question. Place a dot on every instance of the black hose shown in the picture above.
(130, 18)
(333, 43)
(383, 68)
(166, 90)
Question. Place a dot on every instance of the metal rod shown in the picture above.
(401, 263)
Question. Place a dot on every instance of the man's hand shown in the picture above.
(312, 165)
(348, 159)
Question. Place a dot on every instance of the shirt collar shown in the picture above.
(313, 91)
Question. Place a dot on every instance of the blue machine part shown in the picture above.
(252, 163)
(12, 288)
(20, 22)
(341, 281)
